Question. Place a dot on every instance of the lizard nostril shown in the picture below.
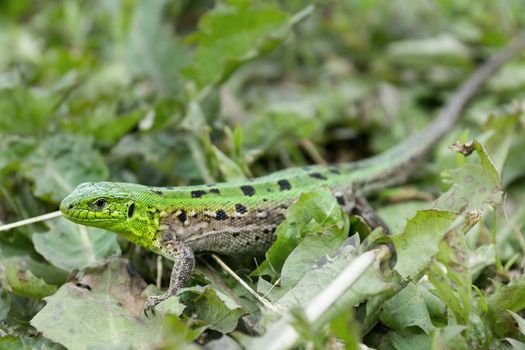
(70, 206)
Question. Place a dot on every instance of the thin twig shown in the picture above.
(159, 271)
(32, 220)
(309, 147)
(283, 335)
(263, 301)
(272, 287)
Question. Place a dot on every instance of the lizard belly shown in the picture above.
(230, 235)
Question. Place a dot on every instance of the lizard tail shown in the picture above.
(396, 164)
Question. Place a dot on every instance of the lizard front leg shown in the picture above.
(184, 261)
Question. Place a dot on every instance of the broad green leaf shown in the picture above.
(152, 50)
(437, 309)
(443, 49)
(509, 297)
(169, 154)
(406, 309)
(410, 341)
(223, 343)
(308, 254)
(22, 281)
(13, 150)
(454, 286)
(519, 320)
(326, 269)
(498, 136)
(374, 281)
(346, 328)
(179, 333)
(215, 309)
(62, 162)
(24, 111)
(71, 246)
(451, 337)
(396, 215)
(510, 78)
(32, 342)
(49, 273)
(100, 307)
(5, 303)
(25, 276)
(315, 213)
(516, 344)
(102, 123)
(222, 47)
(230, 171)
(419, 243)
(269, 127)
(474, 185)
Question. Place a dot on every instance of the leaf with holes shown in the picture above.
(23, 282)
(100, 307)
(70, 246)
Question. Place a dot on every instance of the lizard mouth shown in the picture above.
(82, 215)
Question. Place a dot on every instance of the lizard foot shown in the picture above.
(151, 302)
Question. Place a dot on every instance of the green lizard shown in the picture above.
(240, 217)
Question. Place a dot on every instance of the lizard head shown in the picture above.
(111, 206)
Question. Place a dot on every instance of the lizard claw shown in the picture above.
(151, 302)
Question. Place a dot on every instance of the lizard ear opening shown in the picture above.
(131, 210)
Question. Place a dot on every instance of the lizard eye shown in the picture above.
(100, 203)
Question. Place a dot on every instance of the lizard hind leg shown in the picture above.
(363, 209)
(184, 262)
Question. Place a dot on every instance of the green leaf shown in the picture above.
(410, 341)
(315, 212)
(215, 309)
(26, 276)
(14, 150)
(152, 50)
(5, 303)
(229, 169)
(178, 333)
(443, 49)
(374, 281)
(406, 309)
(100, 307)
(103, 124)
(474, 185)
(22, 282)
(326, 269)
(71, 246)
(509, 297)
(222, 47)
(49, 273)
(517, 345)
(454, 286)
(347, 329)
(498, 136)
(32, 342)
(510, 78)
(24, 111)
(62, 162)
(419, 243)
(519, 320)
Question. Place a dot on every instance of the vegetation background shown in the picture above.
(184, 92)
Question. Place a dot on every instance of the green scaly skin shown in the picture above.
(240, 217)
